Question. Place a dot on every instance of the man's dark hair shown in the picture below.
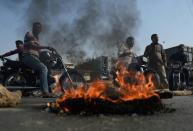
(36, 23)
(153, 35)
(130, 38)
(130, 41)
(17, 42)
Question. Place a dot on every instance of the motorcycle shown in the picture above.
(146, 70)
(15, 75)
(178, 77)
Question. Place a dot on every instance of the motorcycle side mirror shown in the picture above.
(3, 59)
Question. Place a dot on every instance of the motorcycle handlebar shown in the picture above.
(3, 59)
(56, 53)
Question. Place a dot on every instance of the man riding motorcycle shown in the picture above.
(31, 59)
(18, 50)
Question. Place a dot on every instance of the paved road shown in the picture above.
(29, 116)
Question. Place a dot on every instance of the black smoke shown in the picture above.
(84, 28)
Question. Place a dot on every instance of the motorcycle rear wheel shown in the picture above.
(14, 79)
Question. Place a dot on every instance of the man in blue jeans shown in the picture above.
(31, 57)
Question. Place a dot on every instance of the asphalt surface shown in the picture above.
(30, 116)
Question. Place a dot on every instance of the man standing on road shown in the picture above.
(31, 56)
(125, 53)
(157, 60)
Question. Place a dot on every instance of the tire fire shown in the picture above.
(136, 93)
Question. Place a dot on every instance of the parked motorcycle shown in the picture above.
(15, 75)
(178, 77)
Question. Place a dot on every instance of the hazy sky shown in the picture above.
(171, 19)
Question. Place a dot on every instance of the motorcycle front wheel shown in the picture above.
(71, 79)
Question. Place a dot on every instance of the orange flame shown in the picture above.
(133, 85)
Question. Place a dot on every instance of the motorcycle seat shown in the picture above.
(17, 65)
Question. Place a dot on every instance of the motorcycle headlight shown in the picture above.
(53, 63)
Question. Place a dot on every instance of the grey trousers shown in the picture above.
(33, 62)
(160, 70)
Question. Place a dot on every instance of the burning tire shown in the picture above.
(77, 80)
